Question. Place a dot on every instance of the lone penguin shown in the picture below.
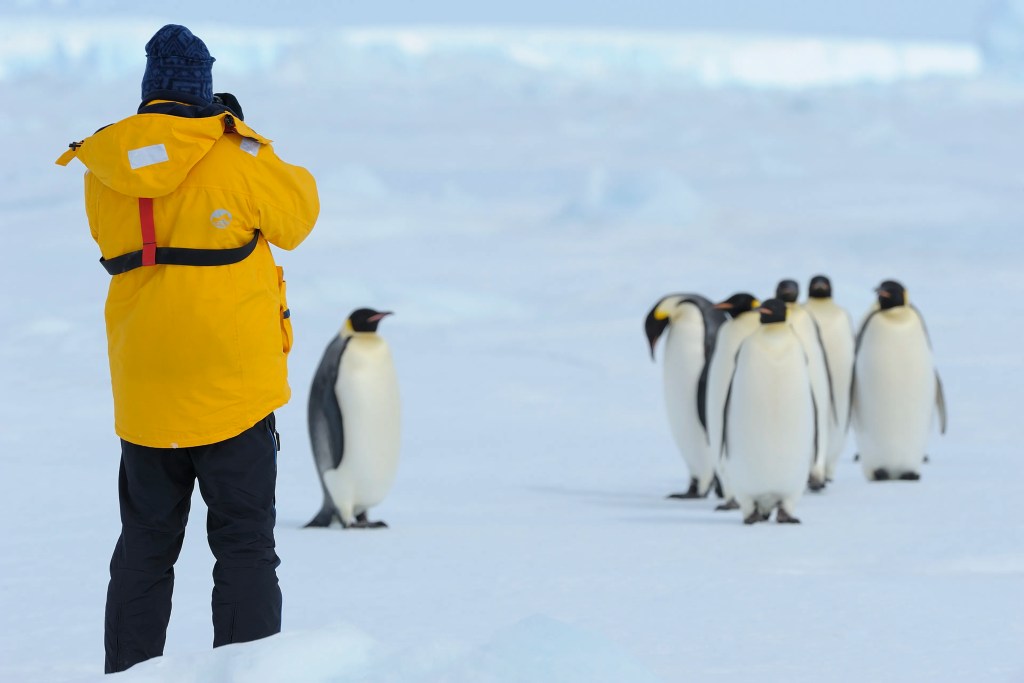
(354, 422)
(836, 329)
(744, 319)
(896, 390)
(769, 433)
(692, 323)
(810, 336)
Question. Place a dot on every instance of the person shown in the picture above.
(184, 199)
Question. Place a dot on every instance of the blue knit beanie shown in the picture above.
(177, 62)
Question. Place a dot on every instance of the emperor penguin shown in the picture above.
(836, 328)
(692, 324)
(769, 431)
(896, 390)
(810, 336)
(743, 319)
(354, 422)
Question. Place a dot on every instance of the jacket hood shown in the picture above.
(150, 154)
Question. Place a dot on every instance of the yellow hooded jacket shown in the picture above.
(198, 354)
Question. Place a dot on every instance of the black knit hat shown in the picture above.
(177, 63)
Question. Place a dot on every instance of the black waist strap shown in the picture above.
(181, 256)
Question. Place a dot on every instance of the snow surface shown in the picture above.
(520, 222)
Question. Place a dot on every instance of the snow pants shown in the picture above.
(237, 478)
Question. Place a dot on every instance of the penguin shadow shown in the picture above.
(601, 497)
(668, 508)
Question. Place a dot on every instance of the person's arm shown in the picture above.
(287, 200)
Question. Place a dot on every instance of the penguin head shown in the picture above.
(788, 291)
(365, 320)
(820, 288)
(773, 311)
(891, 294)
(661, 316)
(738, 303)
(655, 324)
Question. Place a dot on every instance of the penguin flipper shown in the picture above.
(828, 372)
(940, 403)
(713, 320)
(725, 414)
(326, 431)
(852, 410)
(814, 482)
(702, 400)
(324, 517)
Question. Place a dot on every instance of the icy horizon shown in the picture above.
(113, 49)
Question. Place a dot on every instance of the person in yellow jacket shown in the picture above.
(184, 200)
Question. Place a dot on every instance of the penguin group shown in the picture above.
(760, 395)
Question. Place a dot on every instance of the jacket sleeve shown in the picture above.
(287, 201)
(92, 193)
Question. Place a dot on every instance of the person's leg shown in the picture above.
(155, 491)
(237, 478)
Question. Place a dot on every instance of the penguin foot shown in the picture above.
(685, 495)
(728, 505)
(815, 484)
(881, 475)
(926, 458)
(364, 524)
(910, 476)
(856, 457)
(783, 517)
(718, 487)
(756, 516)
(690, 493)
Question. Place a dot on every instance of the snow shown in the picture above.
(520, 210)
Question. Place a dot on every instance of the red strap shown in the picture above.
(148, 231)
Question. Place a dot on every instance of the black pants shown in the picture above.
(237, 479)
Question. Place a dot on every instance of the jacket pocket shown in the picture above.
(286, 315)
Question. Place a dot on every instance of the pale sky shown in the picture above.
(897, 19)
(921, 19)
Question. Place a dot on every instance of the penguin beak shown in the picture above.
(882, 293)
(379, 316)
(724, 306)
(765, 311)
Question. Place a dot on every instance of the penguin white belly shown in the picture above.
(837, 336)
(367, 392)
(723, 361)
(682, 367)
(894, 394)
(769, 424)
